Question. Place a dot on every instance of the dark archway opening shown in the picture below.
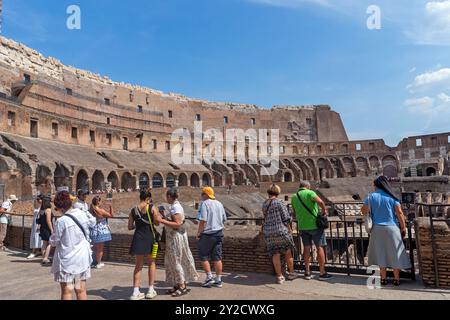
(98, 181)
(157, 181)
(144, 181)
(195, 180)
(170, 180)
(82, 180)
(128, 182)
(182, 180)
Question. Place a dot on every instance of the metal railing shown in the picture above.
(347, 241)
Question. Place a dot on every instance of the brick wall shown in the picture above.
(240, 254)
(425, 252)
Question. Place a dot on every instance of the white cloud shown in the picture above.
(425, 102)
(433, 78)
(444, 98)
(433, 25)
(436, 109)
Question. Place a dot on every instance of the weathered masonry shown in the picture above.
(61, 126)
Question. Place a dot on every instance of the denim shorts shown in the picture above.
(210, 247)
(314, 236)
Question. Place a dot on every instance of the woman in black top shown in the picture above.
(46, 228)
(142, 244)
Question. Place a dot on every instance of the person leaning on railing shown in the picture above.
(278, 233)
(306, 207)
(386, 248)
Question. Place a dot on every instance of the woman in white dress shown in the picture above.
(35, 238)
(178, 260)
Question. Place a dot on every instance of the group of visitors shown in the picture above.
(178, 260)
(386, 248)
(82, 228)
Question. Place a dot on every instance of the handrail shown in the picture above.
(432, 204)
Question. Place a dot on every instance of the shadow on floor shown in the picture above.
(124, 293)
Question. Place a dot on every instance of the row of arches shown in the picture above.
(323, 168)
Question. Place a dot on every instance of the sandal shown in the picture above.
(384, 282)
(46, 263)
(396, 283)
(171, 291)
(180, 292)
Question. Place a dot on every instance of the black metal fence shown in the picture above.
(348, 242)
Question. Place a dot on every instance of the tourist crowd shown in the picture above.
(77, 238)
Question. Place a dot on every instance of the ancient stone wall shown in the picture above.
(425, 252)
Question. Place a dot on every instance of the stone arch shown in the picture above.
(431, 171)
(324, 169)
(362, 166)
(157, 181)
(349, 166)
(206, 180)
(43, 179)
(61, 177)
(82, 180)
(238, 178)
(217, 179)
(98, 181)
(195, 180)
(338, 166)
(288, 176)
(390, 166)
(171, 180)
(390, 171)
(374, 162)
(314, 171)
(113, 178)
(128, 182)
(144, 181)
(182, 180)
(305, 172)
(296, 170)
(4, 167)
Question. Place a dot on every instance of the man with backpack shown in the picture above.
(311, 225)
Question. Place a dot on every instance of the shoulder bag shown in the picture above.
(368, 223)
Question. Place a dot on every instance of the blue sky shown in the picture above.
(388, 83)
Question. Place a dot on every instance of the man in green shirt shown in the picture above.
(309, 231)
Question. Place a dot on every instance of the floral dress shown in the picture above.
(178, 261)
(276, 231)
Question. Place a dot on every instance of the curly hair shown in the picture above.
(62, 201)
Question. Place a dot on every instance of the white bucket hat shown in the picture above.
(13, 198)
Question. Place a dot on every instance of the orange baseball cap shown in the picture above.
(209, 192)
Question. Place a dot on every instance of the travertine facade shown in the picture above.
(64, 126)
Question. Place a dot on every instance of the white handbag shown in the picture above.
(368, 224)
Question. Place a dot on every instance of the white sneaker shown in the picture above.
(140, 296)
(100, 265)
(151, 294)
(31, 256)
(280, 280)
